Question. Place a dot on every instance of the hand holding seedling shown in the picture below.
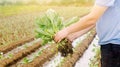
(64, 34)
(61, 35)
(49, 24)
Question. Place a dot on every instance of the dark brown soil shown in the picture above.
(65, 48)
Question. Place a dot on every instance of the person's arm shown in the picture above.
(87, 20)
(84, 22)
(75, 35)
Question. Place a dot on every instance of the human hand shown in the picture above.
(61, 35)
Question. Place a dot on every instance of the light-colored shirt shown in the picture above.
(108, 26)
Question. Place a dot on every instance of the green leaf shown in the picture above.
(26, 60)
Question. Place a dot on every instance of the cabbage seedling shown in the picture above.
(48, 25)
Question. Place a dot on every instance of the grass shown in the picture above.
(17, 22)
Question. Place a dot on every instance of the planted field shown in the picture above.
(31, 53)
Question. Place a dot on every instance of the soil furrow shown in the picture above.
(17, 56)
(11, 46)
(42, 58)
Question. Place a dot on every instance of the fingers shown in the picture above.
(58, 38)
(60, 35)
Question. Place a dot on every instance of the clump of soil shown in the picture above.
(65, 48)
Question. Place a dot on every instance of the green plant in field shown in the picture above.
(95, 61)
(26, 60)
(1, 55)
(61, 62)
(49, 24)
(10, 55)
(40, 52)
(25, 46)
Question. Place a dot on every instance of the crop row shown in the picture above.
(10, 60)
(9, 47)
(44, 55)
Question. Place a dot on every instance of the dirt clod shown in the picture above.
(66, 48)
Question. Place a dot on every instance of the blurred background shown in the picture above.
(10, 7)
(17, 16)
(46, 2)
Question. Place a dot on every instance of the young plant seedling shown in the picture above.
(1, 55)
(25, 46)
(26, 60)
(48, 25)
(10, 55)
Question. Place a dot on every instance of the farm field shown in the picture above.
(30, 53)
(20, 48)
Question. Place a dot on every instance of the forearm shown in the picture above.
(84, 23)
(88, 20)
(75, 35)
